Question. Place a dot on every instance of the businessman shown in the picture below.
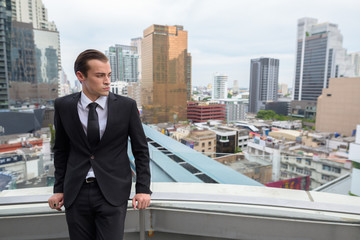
(92, 169)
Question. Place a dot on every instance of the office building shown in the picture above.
(32, 11)
(264, 77)
(205, 111)
(235, 109)
(5, 33)
(338, 108)
(220, 86)
(319, 57)
(165, 67)
(35, 55)
(124, 63)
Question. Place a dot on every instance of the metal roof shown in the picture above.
(172, 161)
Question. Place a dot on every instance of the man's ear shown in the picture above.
(80, 76)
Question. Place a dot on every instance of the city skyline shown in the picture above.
(222, 42)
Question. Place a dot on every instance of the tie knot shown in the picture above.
(93, 105)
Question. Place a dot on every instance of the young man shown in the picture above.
(92, 169)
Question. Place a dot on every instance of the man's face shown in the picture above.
(97, 81)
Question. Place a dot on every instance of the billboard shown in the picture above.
(300, 183)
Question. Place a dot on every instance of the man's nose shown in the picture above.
(107, 80)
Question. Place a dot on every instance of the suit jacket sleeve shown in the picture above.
(61, 151)
(140, 151)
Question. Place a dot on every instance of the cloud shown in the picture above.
(223, 35)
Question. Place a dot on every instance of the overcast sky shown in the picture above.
(223, 35)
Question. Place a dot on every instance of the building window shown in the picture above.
(284, 166)
(203, 150)
(325, 177)
(203, 144)
(326, 167)
(298, 160)
(210, 143)
(307, 162)
(336, 170)
(299, 170)
(307, 172)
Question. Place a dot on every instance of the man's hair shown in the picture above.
(81, 63)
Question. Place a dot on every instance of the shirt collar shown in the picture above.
(85, 101)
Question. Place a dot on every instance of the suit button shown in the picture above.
(92, 157)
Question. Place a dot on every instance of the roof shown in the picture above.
(21, 122)
(172, 161)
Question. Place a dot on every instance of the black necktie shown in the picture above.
(93, 132)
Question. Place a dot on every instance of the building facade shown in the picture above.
(220, 86)
(264, 77)
(164, 84)
(355, 60)
(124, 63)
(338, 108)
(5, 40)
(202, 112)
(235, 109)
(319, 57)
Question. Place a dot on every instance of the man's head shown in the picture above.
(92, 68)
(81, 62)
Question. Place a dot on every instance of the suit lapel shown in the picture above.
(111, 104)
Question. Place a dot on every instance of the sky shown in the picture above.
(223, 35)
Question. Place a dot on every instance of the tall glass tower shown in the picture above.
(264, 78)
(319, 56)
(166, 69)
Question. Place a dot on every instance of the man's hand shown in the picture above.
(56, 201)
(142, 199)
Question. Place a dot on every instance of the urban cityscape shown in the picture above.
(263, 132)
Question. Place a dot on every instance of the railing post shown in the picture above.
(142, 224)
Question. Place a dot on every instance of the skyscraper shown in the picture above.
(165, 78)
(219, 90)
(5, 33)
(264, 77)
(124, 63)
(32, 11)
(319, 56)
(35, 54)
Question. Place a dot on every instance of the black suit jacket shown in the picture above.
(73, 155)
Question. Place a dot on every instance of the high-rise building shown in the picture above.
(264, 77)
(124, 63)
(355, 60)
(164, 84)
(219, 90)
(235, 87)
(34, 53)
(319, 56)
(5, 33)
(136, 42)
(32, 11)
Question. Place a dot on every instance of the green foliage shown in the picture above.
(356, 165)
(266, 114)
(238, 150)
(229, 95)
(52, 131)
(207, 99)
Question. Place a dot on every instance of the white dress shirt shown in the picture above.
(102, 111)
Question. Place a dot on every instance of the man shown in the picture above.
(92, 169)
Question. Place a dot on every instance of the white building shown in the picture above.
(32, 11)
(219, 90)
(235, 109)
(119, 87)
(355, 60)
